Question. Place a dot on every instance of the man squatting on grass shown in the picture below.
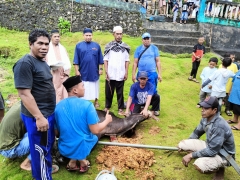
(219, 136)
(33, 81)
(142, 93)
(77, 125)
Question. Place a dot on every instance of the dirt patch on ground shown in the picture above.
(2, 74)
(154, 130)
(11, 100)
(123, 158)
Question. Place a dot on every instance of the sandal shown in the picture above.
(229, 113)
(190, 78)
(69, 168)
(55, 168)
(230, 121)
(194, 80)
(120, 112)
(83, 169)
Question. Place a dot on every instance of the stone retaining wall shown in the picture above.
(26, 15)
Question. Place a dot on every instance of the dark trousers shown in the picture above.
(155, 102)
(195, 66)
(110, 87)
(226, 102)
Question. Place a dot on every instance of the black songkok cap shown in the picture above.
(72, 81)
(87, 30)
(54, 31)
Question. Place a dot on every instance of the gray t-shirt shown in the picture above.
(35, 74)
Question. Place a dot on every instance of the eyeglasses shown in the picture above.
(143, 79)
(146, 38)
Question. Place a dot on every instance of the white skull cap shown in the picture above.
(117, 28)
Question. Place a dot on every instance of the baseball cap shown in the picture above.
(210, 102)
(146, 35)
(142, 74)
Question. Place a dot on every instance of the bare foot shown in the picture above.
(219, 175)
(84, 163)
(26, 165)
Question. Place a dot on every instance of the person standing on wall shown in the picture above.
(116, 62)
(88, 63)
(146, 58)
(33, 80)
(57, 58)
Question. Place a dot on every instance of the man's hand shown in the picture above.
(209, 87)
(144, 112)
(159, 78)
(106, 76)
(186, 159)
(42, 124)
(78, 73)
(134, 79)
(108, 117)
(125, 76)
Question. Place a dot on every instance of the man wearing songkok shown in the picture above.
(88, 63)
(209, 154)
(77, 124)
(116, 62)
(57, 58)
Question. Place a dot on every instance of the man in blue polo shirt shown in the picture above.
(142, 94)
(146, 58)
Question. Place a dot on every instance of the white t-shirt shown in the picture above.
(116, 64)
(219, 80)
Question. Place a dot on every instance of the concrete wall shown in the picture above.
(26, 15)
(223, 38)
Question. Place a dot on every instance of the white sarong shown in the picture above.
(91, 90)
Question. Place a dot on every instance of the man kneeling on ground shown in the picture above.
(219, 136)
(77, 124)
(14, 138)
(142, 94)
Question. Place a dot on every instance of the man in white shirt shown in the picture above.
(116, 62)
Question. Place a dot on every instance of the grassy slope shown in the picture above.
(178, 118)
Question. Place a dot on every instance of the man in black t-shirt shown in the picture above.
(33, 80)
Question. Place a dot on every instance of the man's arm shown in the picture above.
(31, 105)
(158, 64)
(76, 68)
(126, 70)
(97, 128)
(135, 64)
(106, 70)
(147, 104)
(100, 69)
(215, 142)
(129, 102)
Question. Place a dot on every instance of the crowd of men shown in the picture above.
(56, 105)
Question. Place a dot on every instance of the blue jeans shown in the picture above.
(184, 16)
(18, 151)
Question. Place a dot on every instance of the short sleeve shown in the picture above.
(156, 51)
(195, 48)
(132, 91)
(23, 77)
(136, 54)
(126, 56)
(92, 117)
(151, 89)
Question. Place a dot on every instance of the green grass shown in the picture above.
(179, 115)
